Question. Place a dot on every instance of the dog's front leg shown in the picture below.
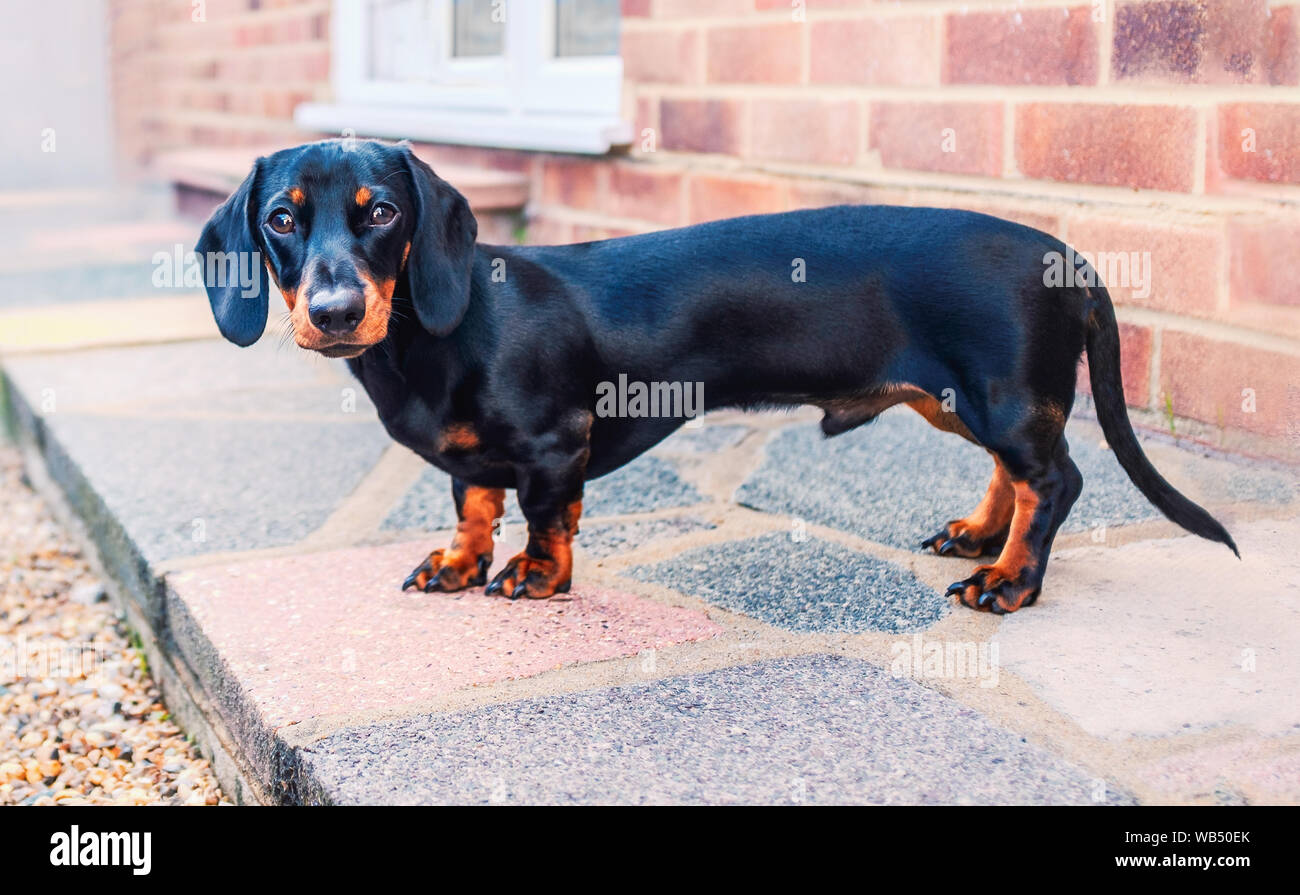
(551, 500)
(465, 563)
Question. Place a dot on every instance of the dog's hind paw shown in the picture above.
(447, 571)
(990, 589)
(955, 539)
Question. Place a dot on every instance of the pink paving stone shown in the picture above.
(330, 633)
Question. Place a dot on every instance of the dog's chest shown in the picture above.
(454, 446)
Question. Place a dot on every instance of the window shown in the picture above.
(527, 74)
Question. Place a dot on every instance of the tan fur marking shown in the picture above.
(935, 414)
(996, 508)
(458, 437)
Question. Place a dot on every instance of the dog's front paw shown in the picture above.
(449, 570)
(995, 590)
(529, 576)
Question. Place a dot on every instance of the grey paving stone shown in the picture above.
(644, 485)
(247, 484)
(897, 480)
(810, 729)
(603, 539)
(809, 585)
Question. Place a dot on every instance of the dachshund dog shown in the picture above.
(487, 360)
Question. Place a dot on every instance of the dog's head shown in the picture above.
(343, 229)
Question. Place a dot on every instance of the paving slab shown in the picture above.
(332, 633)
(202, 448)
(1249, 772)
(1165, 637)
(802, 585)
(704, 439)
(808, 730)
(602, 539)
(896, 480)
(185, 487)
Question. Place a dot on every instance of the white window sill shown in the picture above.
(589, 135)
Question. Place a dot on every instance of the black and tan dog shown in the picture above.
(485, 360)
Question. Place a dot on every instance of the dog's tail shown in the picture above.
(1108, 396)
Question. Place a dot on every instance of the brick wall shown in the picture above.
(1168, 127)
(214, 73)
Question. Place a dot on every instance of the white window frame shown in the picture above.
(526, 99)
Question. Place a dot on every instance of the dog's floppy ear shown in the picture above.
(234, 271)
(442, 249)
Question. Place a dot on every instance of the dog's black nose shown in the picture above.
(337, 313)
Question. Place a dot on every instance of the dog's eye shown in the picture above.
(382, 214)
(281, 221)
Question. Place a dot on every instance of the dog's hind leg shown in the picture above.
(1044, 483)
(466, 562)
(984, 531)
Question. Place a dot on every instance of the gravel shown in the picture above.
(81, 722)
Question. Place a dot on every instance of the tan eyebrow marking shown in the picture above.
(296, 195)
(363, 195)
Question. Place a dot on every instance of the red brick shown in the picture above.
(822, 193)
(1205, 379)
(635, 9)
(646, 194)
(826, 133)
(1282, 47)
(692, 125)
(893, 51)
(1148, 147)
(1134, 364)
(661, 57)
(1276, 127)
(1185, 261)
(570, 183)
(762, 54)
(717, 197)
(1265, 266)
(1030, 46)
(913, 135)
(1039, 220)
(1192, 41)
